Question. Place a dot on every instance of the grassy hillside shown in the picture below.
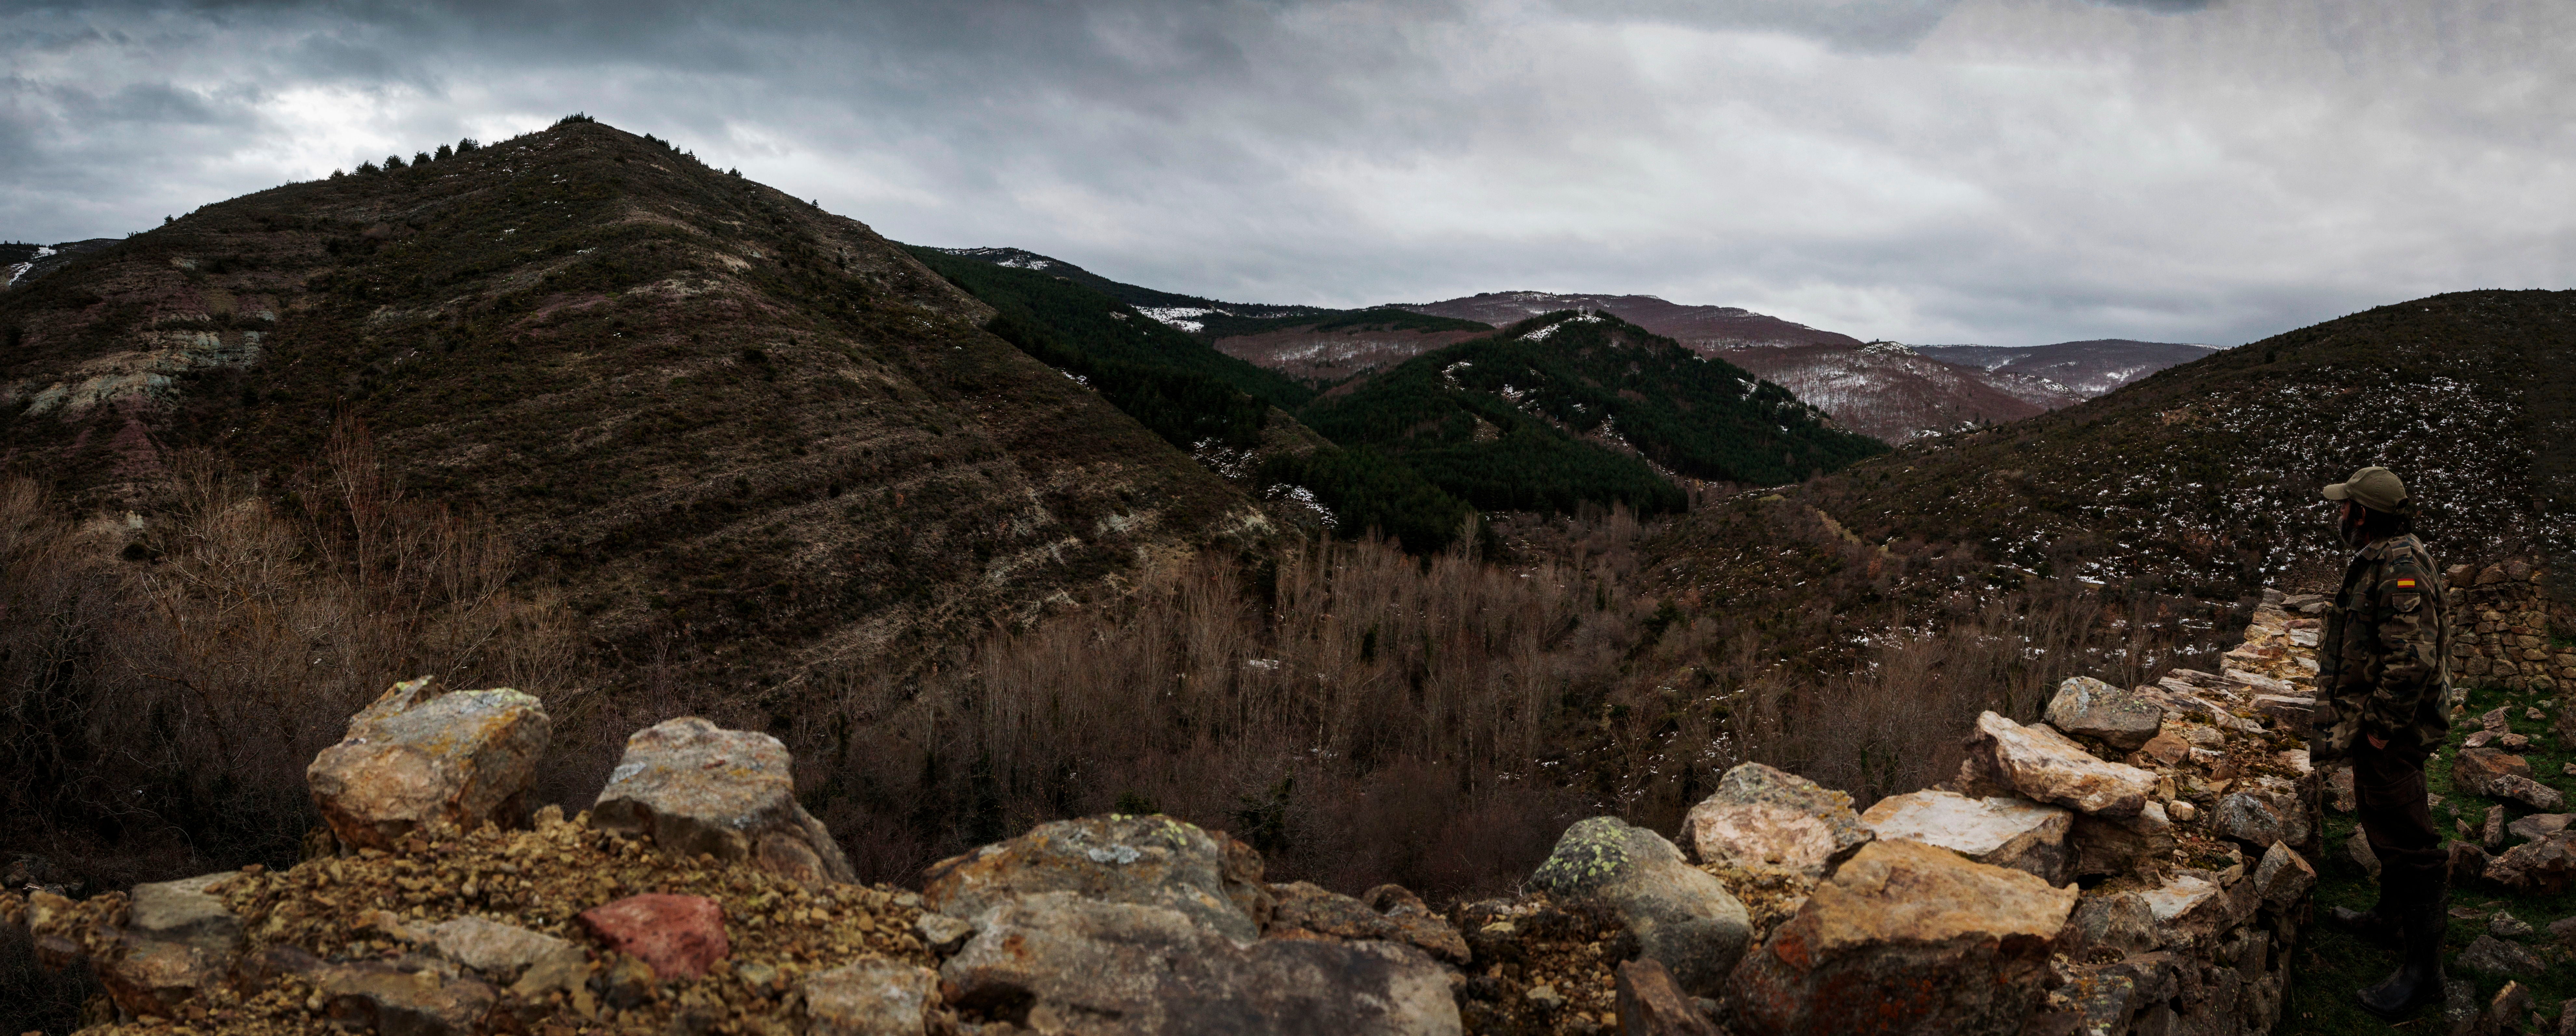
(1570, 408)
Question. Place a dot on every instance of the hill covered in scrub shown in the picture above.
(730, 424)
(2203, 477)
(1575, 407)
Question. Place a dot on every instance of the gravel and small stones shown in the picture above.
(334, 911)
(1541, 967)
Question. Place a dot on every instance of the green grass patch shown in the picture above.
(2331, 965)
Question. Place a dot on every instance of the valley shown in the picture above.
(985, 540)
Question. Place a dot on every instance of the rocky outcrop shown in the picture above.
(2042, 764)
(421, 754)
(1062, 962)
(1906, 938)
(1144, 860)
(870, 998)
(661, 790)
(2005, 832)
(1762, 817)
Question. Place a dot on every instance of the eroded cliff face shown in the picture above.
(2138, 860)
(702, 406)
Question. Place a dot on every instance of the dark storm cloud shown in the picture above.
(1930, 170)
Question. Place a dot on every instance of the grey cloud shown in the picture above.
(2011, 171)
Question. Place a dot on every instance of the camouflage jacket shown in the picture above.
(2384, 657)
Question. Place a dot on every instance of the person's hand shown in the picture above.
(2378, 742)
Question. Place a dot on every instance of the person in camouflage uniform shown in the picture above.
(2384, 665)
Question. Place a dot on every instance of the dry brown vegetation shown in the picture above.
(1361, 714)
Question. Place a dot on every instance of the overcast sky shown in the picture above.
(2010, 172)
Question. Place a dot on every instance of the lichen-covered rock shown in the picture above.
(1058, 962)
(1147, 860)
(419, 754)
(2526, 791)
(870, 998)
(2498, 957)
(2043, 764)
(2006, 832)
(1763, 817)
(1306, 907)
(2120, 718)
(2106, 928)
(1906, 938)
(693, 787)
(2476, 770)
(2259, 818)
(2544, 867)
(1679, 914)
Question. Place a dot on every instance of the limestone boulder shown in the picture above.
(1906, 938)
(2045, 765)
(2120, 718)
(2005, 832)
(1763, 817)
(501, 951)
(1679, 914)
(1145, 860)
(421, 754)
(870, 998)
(1059, 962)
(693, 787)
(409, 995)
(178, 938)
(2283, 876)
(2538, 825)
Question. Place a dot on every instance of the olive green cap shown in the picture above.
(2374, 488)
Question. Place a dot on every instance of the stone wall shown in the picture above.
(2502, 624)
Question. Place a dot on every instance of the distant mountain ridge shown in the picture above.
(2087, 368)
(1698, 327)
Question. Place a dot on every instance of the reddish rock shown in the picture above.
(1652, 1004)
(2478, 770)
(680, 936)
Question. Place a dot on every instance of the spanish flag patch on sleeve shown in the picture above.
(2406, 584)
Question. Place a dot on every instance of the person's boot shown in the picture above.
(2418, 978)
(2376, 925)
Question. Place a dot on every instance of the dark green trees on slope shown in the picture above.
(1184, 391)
(1531, 418)
(1551, 414)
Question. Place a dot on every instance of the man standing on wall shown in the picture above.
(2384, 663)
